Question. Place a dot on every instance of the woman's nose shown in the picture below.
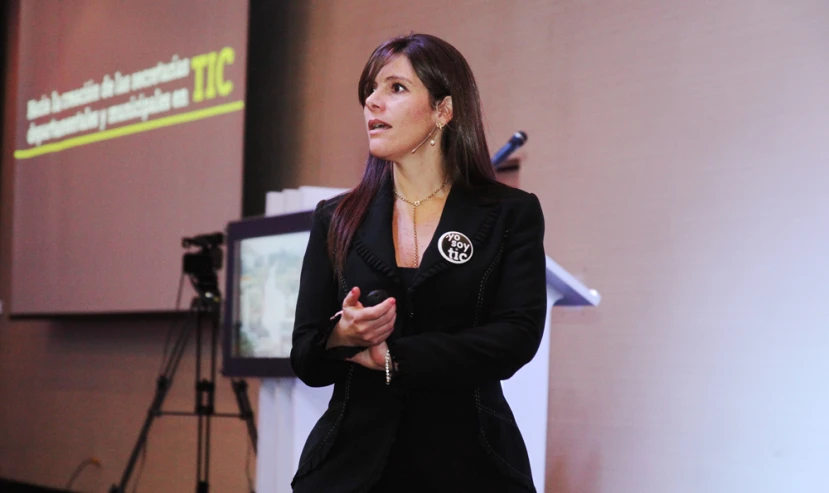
(373, 100)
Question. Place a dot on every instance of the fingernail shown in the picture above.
(393, 301)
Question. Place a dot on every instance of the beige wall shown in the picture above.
(681, 153)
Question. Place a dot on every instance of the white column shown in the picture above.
(275, 457)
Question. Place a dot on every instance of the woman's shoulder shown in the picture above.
(506, 195)
(521, 210)
(326, 207)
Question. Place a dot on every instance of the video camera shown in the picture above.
(201, 266)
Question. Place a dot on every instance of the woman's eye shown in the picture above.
(398, 87)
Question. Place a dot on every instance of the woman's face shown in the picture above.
(398, 113)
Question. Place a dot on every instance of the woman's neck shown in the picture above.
(416, 179)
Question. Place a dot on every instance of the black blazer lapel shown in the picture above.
(373, 241)
(465, 212)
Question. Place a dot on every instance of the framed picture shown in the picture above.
(264, 261)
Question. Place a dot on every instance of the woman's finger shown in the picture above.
(373, 313)
(352, 299)
(371, 328)
(382, 332)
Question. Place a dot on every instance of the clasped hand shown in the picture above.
(367, 327)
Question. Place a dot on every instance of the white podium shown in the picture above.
(288, 409)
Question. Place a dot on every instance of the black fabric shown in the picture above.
(443, 424)
(407, 275)
(429, 451)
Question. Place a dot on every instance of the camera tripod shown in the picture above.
(204, 306)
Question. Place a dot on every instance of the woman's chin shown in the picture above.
(382, 153)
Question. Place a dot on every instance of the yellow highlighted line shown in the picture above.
(130, 129)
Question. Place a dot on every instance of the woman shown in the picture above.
(459, 259)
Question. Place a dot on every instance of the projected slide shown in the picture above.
(128, 137)
(116, 105)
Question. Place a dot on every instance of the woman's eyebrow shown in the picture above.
(397, 77)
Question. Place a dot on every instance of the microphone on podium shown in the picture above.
(517, 140)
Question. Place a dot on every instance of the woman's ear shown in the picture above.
(444, 110)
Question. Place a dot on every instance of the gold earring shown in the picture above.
(440, 127)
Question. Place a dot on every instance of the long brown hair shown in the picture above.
(444, 72)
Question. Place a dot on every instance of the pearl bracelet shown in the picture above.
(388, 367)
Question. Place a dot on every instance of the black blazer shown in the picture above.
(460, 330)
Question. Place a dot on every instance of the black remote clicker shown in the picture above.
(375, 297)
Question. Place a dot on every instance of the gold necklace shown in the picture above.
(415, 205)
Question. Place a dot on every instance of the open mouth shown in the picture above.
(378, 125)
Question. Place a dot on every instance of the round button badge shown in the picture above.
(455, 247)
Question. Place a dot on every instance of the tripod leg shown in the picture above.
(213, 311)
(202, 484)
(240, 390)
(204, 404)
(163, 385)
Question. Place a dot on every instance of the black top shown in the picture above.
(463, 325)
(407, 275)
(429, 452)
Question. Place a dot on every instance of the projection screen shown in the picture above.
(128, 137)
